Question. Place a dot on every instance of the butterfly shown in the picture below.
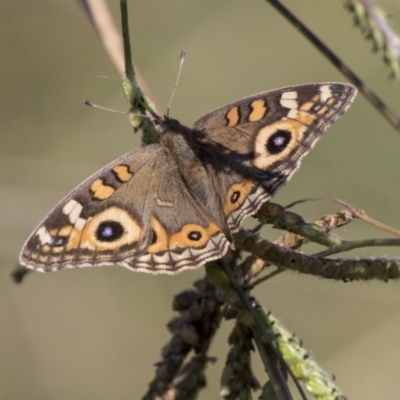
(172, 206)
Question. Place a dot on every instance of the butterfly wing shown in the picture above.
(99, 222)
(265, 137)
(169, 207)
(135, 212)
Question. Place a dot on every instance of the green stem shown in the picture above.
(277, 380)
(129, 70)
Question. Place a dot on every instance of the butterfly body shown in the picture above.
(173, 206)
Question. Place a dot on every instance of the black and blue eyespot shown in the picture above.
(194, 235)
(278, 141)
(60, 241)
(235, 196)
(109, 231)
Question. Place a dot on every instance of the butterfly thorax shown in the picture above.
(174, 137)
(179, 143)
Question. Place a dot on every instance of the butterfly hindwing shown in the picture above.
(136, 212)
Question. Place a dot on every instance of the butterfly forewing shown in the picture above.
(101, 221)
(265, 137)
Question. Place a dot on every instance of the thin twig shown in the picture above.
(104, 25)
(102, 20)
(356, 212)
(356, 244)
(390, 116)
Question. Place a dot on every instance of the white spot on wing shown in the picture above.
(73, 210)
(325, 92)
(289, 100)
(44, 236)
(80, 223)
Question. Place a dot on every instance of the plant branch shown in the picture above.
(346, 269)
(277, 379)
(390, 116)
(355, 212)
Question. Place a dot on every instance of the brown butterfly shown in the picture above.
(173, 206)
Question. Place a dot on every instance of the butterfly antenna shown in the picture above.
(110, 77)
(90, 104)
(183, 55)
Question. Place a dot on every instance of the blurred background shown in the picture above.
(96, 333)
